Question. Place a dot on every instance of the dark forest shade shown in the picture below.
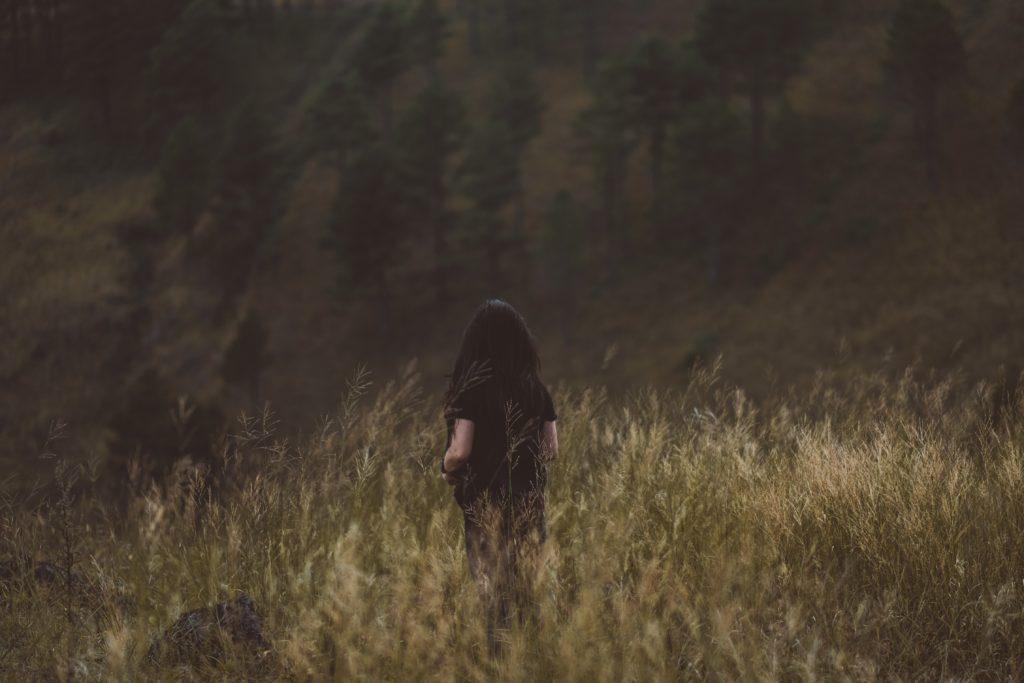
(449, 150)
(926, 52)
(757, 45)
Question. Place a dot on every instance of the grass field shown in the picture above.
(861, 531)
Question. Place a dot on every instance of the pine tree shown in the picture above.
(606, 132)
(560, 256)
(706, 166)
(523, 26)
(586, 18)
(366, 227)
(107, 44)
(249, 185)
(428, 26)
(429, 136)
(341, 121)
(758, 45)
(381, 55)
(488, 176)
(652, 90)
(515, 103)
(926, 52)
(189, 68)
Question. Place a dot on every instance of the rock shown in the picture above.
(202, 633)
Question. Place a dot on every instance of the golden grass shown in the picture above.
(863, 531)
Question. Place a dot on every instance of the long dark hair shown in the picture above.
(498, 348)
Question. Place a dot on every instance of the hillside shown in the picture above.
(843, 259)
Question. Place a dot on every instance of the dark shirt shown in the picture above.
(508, 429)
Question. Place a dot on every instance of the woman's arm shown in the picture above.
(549, 442)
(460, 449)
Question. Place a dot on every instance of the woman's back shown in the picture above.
(508, 426)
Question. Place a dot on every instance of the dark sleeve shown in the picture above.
(548, 409)
(467, 404)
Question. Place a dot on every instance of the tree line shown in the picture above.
(180, 80)
(684, 104)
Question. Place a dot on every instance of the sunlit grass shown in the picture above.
(867, 532)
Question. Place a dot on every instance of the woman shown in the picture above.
(501, 436)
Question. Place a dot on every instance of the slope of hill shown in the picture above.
(852, 263)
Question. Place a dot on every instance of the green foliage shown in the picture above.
(606, 129)
(607, 134)
(653, 85)
(705, 141)
(653, 92)
(563, 233)
(925, 53)
(106, 42)
(183, 177)
(367, 224)
(189, 68)
(695, 80)
(926, 50)
(249, 167)
(248, 199)
(341, 121)
(381, 55)
(585, 21)
(488, 176)
(428, 28)
(523, 25)
(560, 253)
(515, 102)
(708, 172)
(489, 172)
(429, 135)
(758, 45)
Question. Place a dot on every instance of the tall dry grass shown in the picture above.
(863, 532)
